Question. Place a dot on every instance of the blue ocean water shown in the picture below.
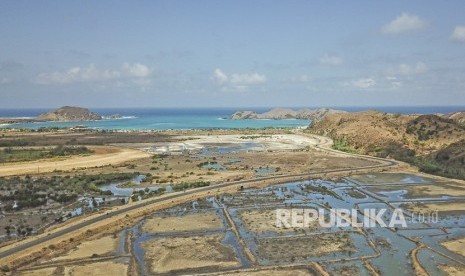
(192, 118)
(156, 119)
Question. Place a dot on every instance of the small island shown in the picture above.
(69, 114)
(63, 114)
(285, 114)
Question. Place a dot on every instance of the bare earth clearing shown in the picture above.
(191, 222)
(172, 254)
(432, 207)
(457, 246)
(104, 155)
(86, 249)
(453, 270)
(274, 272)
(279, 249)
(98, 269)
(259, 221)
(39, 272)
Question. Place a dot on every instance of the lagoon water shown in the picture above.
(189, 118)
(156, 119)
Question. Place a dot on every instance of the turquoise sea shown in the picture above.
(155, 119)
(192, 118)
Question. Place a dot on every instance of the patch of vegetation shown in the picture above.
(322, 190)
(17, 155)
(355, 194)
(395, 150)
(252, 137)
(146, 193)
(342, 145)
(30, 192)
(447, 162)
(203, 164)
(188, 185)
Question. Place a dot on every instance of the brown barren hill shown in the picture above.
(459, 117)
(432, 143)
(286, 113)
(377, 133)
(68, 114)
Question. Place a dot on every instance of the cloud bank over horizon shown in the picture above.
(157, 54)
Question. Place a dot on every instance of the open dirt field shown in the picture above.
(290, 248)
(259, 142)
(432, 207)
(172, 169)
(453, 270)
(437, 190)
(259, 221)
(103, 155)
(170, 254)
(267, 272)
(98, 269)
(86, 249)
(192, 222)
(424, 191)
(39, 272)
(457, 246)
(391, 178)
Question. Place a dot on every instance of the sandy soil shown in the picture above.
(453, 270)
(99, 268)
(39, 272)
(457, 246)
(263, 142)
(86, 249)
(104, 155)
(424, 191)
(192, 222)
(206, 249)
(437, 190)
(169, 254)
(417, 267)
(285, 249)
(259, 221)
(388, 178)
(432, 207)
(267, 272)
(236, 166)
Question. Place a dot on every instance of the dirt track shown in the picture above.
(104, 155)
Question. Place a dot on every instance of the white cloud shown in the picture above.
(246, 79)
(404, 23)
(364, 83)
(458, 34)
(299, 79)
(93, 74)
(237, 81)
(137, 70)
(409, 70)
(393, 81)
(418, 68)
(331, 60)
(219, 76)
(5, 81)
(77, 74)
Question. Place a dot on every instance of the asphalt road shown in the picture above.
(147, 202)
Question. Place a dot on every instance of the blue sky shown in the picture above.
(231, 53)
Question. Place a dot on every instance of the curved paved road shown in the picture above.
(25, 246)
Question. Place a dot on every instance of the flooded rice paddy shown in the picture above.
(247, 219)
(238, 230)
